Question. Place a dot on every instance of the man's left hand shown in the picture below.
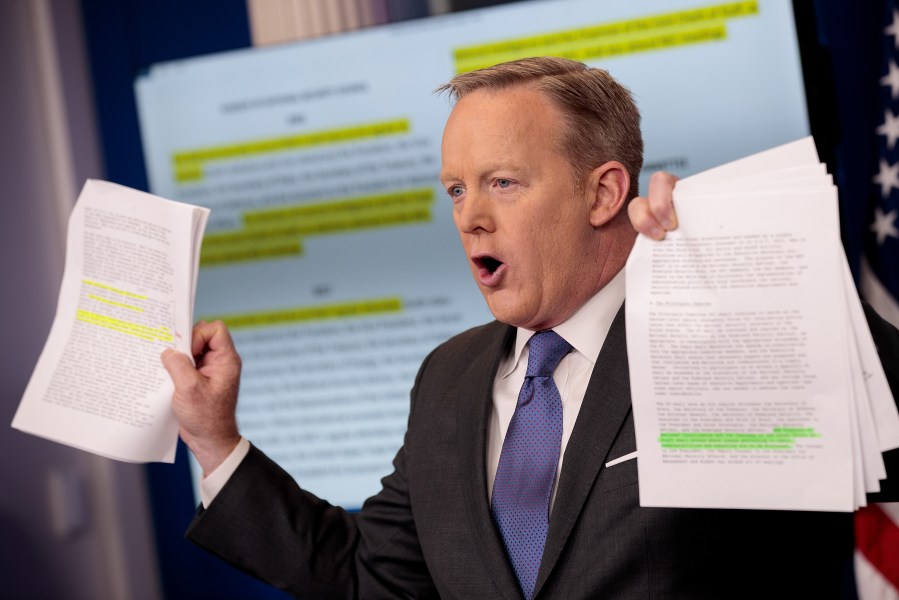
(653, 215)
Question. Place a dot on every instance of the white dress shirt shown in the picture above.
(585, 330)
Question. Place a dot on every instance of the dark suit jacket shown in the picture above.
(429, 532)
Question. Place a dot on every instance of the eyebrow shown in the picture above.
(491, 168)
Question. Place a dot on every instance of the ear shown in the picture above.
(607, 190)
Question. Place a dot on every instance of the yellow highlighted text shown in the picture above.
(114, 303)
(144, 332)
(278, 232)
(644, 34)
(302, 314)
(109, 288)
(188, 164)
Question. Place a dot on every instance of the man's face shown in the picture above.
(524, 225)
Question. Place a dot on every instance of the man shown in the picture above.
(513, 480)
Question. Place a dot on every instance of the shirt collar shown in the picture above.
(585, 330)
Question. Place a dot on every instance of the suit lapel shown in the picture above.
(606, 405)
(476, 391)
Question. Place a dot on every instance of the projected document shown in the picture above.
(330, 251)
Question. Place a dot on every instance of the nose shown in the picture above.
(474, 214)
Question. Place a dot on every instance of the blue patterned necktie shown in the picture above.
(528, 462)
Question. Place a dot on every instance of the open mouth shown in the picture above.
(488, 263)
(490, 270)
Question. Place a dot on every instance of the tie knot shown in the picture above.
(547, 348)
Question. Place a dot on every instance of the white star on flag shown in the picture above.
(884, 225)
(887, 178)
(892, 79)
(889, 128)
(893, 28)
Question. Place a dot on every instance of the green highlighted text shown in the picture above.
(781, 438)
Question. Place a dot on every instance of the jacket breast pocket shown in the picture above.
(618, 475)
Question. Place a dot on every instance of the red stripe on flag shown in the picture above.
(877, 538)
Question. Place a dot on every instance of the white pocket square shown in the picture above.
(622, 459)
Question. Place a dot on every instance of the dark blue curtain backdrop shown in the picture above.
(852, 33)
(842, 54)
(124, 38)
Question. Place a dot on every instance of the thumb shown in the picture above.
(179, 366)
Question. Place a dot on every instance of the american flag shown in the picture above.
(877, 526)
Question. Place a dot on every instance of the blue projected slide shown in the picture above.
(331, 252)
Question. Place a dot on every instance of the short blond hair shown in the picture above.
(602, 122)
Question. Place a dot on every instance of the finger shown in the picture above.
(180, 369)
(199, 337)
(643, 220)
(213, 336)
(661, 201)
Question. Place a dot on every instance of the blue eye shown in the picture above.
(503, 183)
(456, 191)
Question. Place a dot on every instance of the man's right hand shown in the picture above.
(205, 397)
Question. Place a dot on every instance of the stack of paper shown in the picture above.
(127, 294)
(755, 380)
